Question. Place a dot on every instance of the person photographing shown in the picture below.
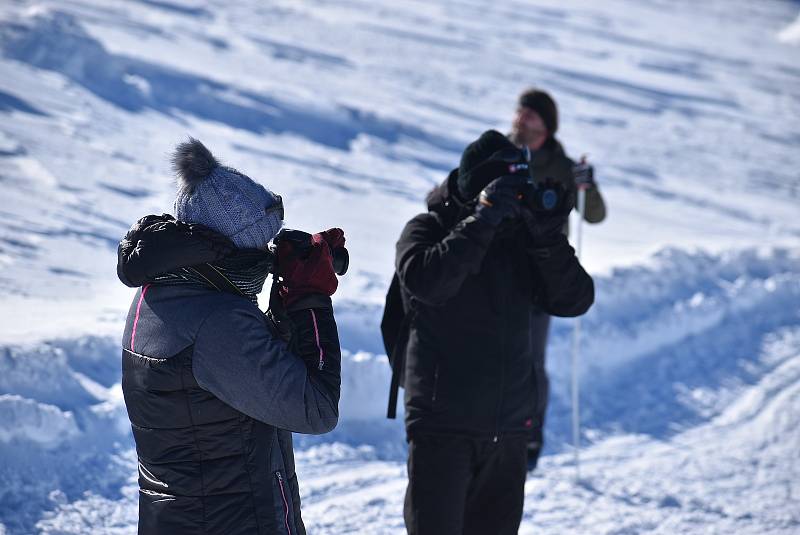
(213, 387)
(470, 270)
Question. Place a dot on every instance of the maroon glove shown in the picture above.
(334, 237)
(312, 272)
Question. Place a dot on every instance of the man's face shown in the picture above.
(528, 127)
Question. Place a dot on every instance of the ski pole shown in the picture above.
(576, 338)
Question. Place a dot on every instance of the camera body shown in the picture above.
(301, 245)
(541, 195)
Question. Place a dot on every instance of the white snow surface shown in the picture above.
(791, 34)
(352, 111)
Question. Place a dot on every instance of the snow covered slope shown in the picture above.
(353, 111)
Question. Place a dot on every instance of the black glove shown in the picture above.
(544, 229)
(584, 174)
(501, 199)
(159, 244)
(277, 314)
(545, 226)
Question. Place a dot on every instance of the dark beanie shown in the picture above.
(543, 104)
(476, 169)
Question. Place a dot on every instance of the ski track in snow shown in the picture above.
(690, 369)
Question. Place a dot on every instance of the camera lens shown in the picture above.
(341, 260)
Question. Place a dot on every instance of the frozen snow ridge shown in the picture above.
(25, 420)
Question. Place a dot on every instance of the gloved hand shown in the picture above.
(158, 244)
(545, 230)
(313, 273)
(583, 173)
(334, 237)
(277, 313)
(545, 227)
(501, 199)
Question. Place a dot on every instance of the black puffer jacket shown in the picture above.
(213, 395)
(470, 289)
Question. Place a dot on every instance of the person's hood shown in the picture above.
(157, 244)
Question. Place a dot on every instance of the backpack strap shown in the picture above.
(394, 328)
(398, 365)
(394, 388)
(216, 279)
(395, 337)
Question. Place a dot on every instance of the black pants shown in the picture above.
(540, 326)
(465, 486)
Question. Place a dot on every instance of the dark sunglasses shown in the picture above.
(277, 206)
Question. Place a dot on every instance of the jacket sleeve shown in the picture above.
(563, 288)
(239, 359)
(595, 206)
(595, 211)
(432, 268)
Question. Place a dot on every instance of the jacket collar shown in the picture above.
(444, 200)
(549, 152)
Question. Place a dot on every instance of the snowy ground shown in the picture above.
(352, 111)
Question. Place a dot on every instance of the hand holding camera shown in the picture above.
(500, 199)
(545, 226)
(509, 190)
(308, 264)
(546, 211)
(544, 204)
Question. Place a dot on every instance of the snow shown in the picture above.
(791, 33)
(26, 420)
(352, 111)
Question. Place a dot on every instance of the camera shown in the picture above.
(301, 245)
(541, 195)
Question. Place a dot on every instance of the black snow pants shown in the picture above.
(540, 327)
(465, 486)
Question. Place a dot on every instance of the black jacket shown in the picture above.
(470, 289)
(213, 394)
(550, 161)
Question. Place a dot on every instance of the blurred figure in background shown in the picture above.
(533, 128)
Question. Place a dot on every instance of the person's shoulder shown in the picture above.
(561, 165)
(560, 154)
(422, 228)
(424, 220)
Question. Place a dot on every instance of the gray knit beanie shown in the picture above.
(224, 199)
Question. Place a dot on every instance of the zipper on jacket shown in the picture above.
(279, 476)
(503, 359)
(316, 337)
(435, 384)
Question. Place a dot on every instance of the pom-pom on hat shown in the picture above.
(224, 199)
